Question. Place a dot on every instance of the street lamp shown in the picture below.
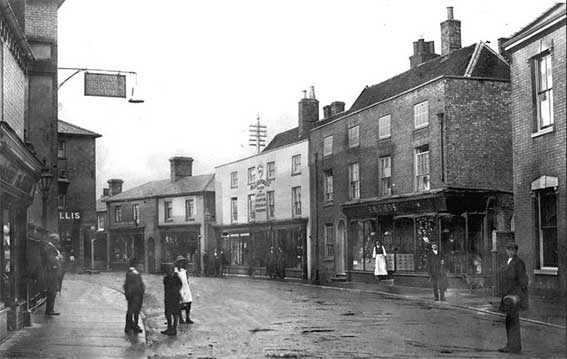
(44, 184)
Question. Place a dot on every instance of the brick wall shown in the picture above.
(41, 19)
(478, 140)
(538, 156)
(14, 84)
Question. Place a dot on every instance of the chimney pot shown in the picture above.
(337, 107)
(180, 167)
(449, 13)
(308, 113)
(312, 92)
(423, 51)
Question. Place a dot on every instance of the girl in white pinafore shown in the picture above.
(186, 297)
(379, 254)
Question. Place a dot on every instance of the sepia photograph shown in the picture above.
(239, 179)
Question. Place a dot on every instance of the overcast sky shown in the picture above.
(207, 68)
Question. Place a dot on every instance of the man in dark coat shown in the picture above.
(514, 297)
(53, 276)
(436, 270)
(134, 292)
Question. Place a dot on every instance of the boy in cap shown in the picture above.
(185, 291)
(172, 298)
(134, 292)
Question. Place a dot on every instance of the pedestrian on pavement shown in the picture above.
(134, 291)
(185, 291)
(280, 262)
(271, 263)
(222, 262)
(437, 274)
(54, 245)
(514, 297)
(172, 299)
(53, 274)
(379, 255)
(217, 262)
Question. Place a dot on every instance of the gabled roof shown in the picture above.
(550, 16)
(166, 188)
(74, 130)
(461, 62)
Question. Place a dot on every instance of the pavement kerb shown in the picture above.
(414, 298)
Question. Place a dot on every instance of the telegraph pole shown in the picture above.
(258, 134)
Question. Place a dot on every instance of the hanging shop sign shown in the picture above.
(12, 175)
(105, 85)
(260, 205)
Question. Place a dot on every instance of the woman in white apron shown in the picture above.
(379, 255)
(186, 297)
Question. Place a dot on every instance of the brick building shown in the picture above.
(28, 133)
(537, 57)
(159, 220)
(423, 156)
(262, 201)
(76, 185)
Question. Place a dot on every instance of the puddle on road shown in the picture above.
(256, 330)
(348, 314)
(285, 353)
(316, 330)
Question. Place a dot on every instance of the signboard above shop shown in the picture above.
(105, 85)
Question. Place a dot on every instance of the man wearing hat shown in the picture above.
(514, 297)
(185, 291)
(436, 270)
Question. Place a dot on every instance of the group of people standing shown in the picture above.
(177, 296)
(275, 263)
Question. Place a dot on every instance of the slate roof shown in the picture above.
(165, 188)
(488, 64)
(74, 130)
(551, 14)
(285, 138)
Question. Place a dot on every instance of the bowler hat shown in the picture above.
(511, 245)
(179, 259)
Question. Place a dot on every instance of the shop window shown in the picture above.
(422, 168)
(271, 169)
(296, 165)
(544, 91)
(421, 114)
(236, 247)
(329, 236)
(296, 201)
(6, 256)
(353, 181)
(546, 220)
(234, 210)
(251, 208)
(328, 186)
(328, 145)
(385, 176)
(271, 200)
(426, 227)
(234, 180)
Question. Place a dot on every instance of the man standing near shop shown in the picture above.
(436, 270)
(53, 274)
(514, 297)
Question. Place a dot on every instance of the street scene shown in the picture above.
(252, 179)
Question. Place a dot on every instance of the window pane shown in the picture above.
(384, 124)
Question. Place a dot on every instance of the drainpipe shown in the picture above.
(441, 116)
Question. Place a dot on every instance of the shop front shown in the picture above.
(181, 240)
(19, 170)
(126, 243)
(246, 247)
(463, 222)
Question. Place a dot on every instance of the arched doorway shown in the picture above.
(340, 252)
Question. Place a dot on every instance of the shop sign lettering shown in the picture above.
(69, 215)
(10, 174)
(260, 187)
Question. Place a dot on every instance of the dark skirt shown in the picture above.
(135, 303)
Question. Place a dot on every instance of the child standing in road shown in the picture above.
(172, 298)
(134, 292)
(186, 297)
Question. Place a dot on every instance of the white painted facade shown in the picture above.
(281, 184)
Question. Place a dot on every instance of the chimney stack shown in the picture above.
(423, 51)
(105, 193)
(337, 107)
(181, 167)
(308, 112)
(327, 111)
(115, 186)
(450, 33)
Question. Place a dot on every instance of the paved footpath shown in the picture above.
(91, 325)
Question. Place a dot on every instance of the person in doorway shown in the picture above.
(280, 263)
(134, 292)
(514, 297)
(271, 263)
(379, 255)
(185, 291)
(436, 270)
(172, 299)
